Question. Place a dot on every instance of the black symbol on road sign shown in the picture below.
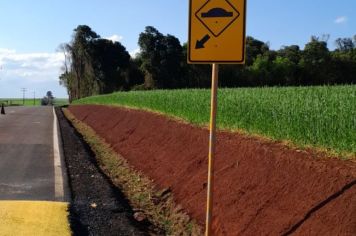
(200, 43)
(217, 16)
(217, 12)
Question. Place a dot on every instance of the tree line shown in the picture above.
(94, 65)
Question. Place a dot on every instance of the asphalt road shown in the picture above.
(28, 164)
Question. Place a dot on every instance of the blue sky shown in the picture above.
(31, 30)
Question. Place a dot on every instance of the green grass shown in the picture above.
(61, 101)
(31, 102)
(19, 102)
(323, 117)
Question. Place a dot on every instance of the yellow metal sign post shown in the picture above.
(216, 36)
(212, 142)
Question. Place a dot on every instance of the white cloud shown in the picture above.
(29, 69)
(33, 66)
(6, 51)
(134, 52)
(115, 38)
(340, 20)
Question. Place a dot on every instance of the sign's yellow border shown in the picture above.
(190, 61)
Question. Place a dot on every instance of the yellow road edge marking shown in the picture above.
(34, 218)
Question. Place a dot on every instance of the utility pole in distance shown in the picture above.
(23, 97)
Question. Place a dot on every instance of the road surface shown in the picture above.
(30, 168)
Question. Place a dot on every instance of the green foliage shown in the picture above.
(292, 53)
(31, 101)
(161, 58)
(94, 65)
(261, 68)
(60, 102)
(19, 102)
(345, 44)
(284, 70)
(318, 116)
(110, 61)
(254, 47)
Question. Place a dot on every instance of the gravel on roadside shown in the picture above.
(97, 206)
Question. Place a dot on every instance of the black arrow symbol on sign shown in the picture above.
(200, 43)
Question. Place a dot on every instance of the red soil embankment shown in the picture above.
(261, 188)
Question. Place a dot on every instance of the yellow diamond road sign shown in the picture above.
(217, 31)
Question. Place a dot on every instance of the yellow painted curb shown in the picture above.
(34, 218)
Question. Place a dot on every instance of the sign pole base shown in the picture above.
(212, 143)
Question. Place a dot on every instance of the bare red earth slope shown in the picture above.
(262, 188)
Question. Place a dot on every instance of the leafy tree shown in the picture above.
(161, 57)
(254, 48)
(292, 52)
(345, 44)
(232, 76)
(343, 65)
(287, 64)
(49, 94)
(93, 65)
(315, 61)
(110, 60)
(134, 77)
(284, 71)
(81, 60)
(195, 75)
(316, 52)
(261, 70)
(150, 42)
(68, 80)
(48, 99)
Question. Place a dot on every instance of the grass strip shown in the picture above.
(157, 204)
(320, 116)
(31, 102)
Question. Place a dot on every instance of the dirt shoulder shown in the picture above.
(262, 188)
(97, 207)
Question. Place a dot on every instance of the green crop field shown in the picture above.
(30, 102)
(61, 101)
(19, 102)
(323, 117)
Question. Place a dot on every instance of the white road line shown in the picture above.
(58, 177)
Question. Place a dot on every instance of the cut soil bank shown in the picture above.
(261, 188)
